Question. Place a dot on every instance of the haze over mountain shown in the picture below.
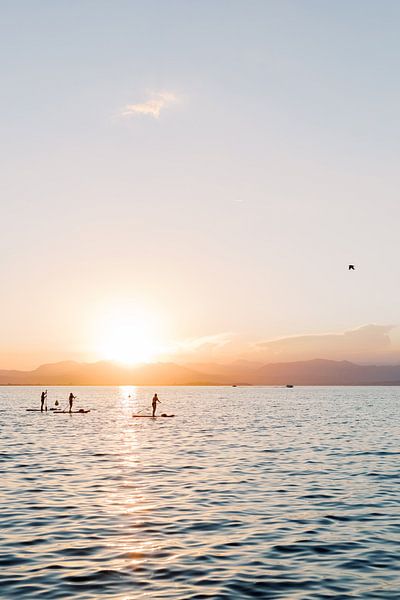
(311, 372)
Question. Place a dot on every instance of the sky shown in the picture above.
(190, 179)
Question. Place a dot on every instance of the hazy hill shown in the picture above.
(238, 371)
(326, 372)
(311, 372)
(107, 373)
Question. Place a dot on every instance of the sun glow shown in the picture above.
(129, 339)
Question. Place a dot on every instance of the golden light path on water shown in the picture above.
(128, 502)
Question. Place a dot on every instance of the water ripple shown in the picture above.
(258, 493)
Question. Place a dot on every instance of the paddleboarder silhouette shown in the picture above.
(43, 397)
(71, 401)
(154, 404)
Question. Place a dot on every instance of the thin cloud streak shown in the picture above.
(203, 344)
(152, 107)
(367, 344)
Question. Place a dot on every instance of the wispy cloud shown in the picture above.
(364, 344)
(367, 344)
(217, 340)
(204, 346)
(152, 107)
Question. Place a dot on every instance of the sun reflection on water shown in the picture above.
(128, 392)
(127, 501)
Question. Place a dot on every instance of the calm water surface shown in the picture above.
(247, 493)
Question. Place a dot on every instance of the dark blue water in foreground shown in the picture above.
(247, 493)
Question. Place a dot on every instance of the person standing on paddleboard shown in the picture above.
(154, 404)
(43, 397)
(71, 401)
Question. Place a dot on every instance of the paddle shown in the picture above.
(140, 411)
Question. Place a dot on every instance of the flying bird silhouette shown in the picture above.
(351, 268)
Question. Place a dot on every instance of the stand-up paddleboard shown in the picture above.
(151, 416)
(55, 411)
(69, 412)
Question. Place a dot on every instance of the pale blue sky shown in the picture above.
(238, 209)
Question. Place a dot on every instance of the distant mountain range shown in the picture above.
(240, 372)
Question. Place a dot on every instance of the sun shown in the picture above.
(129, 338)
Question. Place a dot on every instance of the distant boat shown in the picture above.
(289, 385)
(234, 385)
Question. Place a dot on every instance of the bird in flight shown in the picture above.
(351, 268)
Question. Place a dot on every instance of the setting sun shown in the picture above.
(129, 339)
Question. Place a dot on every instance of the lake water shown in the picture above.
(246, 493)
